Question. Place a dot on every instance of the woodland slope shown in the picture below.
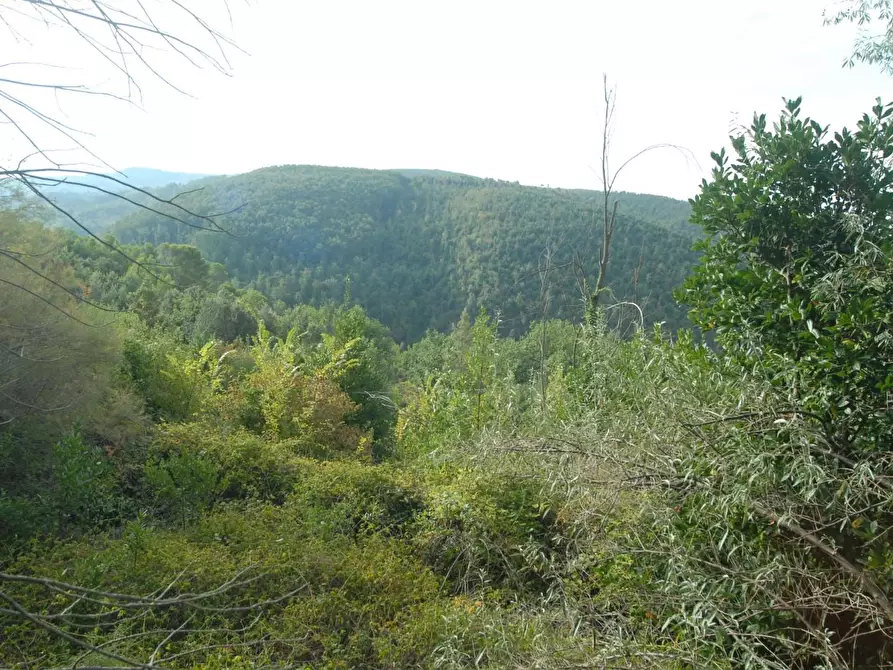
(420, 247)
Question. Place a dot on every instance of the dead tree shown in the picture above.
(608, 214)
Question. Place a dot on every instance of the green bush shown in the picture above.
(482, 528)
(20, 519)
(345, 594)
(244, 465)
(158, 369)
(85, 491)
(348, 498)
(182, 485)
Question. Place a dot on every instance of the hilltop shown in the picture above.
(420, 247)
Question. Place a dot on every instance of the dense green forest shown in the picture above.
(419, 247)
(199, 469)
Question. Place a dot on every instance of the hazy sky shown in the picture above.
(505, 89)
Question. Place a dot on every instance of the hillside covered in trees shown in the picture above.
(420, 247)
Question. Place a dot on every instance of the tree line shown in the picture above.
(419, 250)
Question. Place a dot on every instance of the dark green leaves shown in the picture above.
(796, 271)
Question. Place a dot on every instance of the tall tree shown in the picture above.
(796, 273)
(796, 282)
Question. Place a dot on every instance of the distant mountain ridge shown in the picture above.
(88, 199)
(139, 177)
(417, 172)
(421, 246)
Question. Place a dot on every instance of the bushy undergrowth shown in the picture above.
(560, 542)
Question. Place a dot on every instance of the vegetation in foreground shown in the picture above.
(215, 481)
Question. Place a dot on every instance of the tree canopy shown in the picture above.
(421, 250)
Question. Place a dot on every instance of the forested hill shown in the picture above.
(420, 246)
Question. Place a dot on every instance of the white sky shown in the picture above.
(505, 89)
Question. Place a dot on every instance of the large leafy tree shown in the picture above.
(796, 284)
(796, 275)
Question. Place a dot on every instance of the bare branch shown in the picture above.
(121, 608)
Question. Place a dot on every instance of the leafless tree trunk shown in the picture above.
(609, 205)
(609, 211)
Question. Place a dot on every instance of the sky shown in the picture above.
(503, 89)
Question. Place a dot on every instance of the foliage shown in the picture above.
(473, 393)
(303, 493)
(795, 280)
(182, 485)
(244, 466)
(53, 345)
(354, 499)
(874, 48)
(84, 493)
(420, 249)
(796, 275)
(484, 531)
(159, 371)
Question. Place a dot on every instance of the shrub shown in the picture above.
(158, 369)
(355, 498)
(182, 485)
(482, 528)
(85, 491)
(244, 465)
(20, 519)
